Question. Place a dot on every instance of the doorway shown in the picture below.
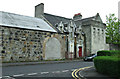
(80, 51)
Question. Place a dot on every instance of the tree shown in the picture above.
(112, 29)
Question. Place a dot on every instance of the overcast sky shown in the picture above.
(65, 8)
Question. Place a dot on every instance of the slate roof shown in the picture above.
(53, 19)
(78, 22)
(93, 18)
(20, 21)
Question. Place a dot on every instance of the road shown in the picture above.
(44, 70)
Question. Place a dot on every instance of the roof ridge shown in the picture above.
(58, 16)
(86, 18)
(20, 15)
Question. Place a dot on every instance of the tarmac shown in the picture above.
(89, 73)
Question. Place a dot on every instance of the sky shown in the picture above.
(65, 8)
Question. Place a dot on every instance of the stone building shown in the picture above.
(24, 38)
(88, 34)
(47, 36)
(74, 35)
(94, 30)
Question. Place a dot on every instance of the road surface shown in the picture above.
(39, 71)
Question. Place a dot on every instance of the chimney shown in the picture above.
(39, 10)
(77, 17)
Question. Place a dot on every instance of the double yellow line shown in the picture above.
(74, 73)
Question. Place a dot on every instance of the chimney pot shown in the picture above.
(77, 16)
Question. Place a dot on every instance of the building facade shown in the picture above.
(94, 30)
(24, 38)
(89, 30)
(49, 37)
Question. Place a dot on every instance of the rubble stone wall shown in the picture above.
(22, 45)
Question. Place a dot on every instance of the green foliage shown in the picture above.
(112, 29)
(109, 65)
(109, 53)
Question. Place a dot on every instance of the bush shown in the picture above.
(108, 53)
(109, 65)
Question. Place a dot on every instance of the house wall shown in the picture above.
(98, 39)
(25, 45)
(71, 49)
(54, 47)
(95, 37)
(87, 30)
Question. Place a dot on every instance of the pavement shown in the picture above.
(40, 62)
(91, 73)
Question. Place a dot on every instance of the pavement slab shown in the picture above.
(91, 73)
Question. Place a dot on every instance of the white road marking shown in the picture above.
(6, 76)
(73, 69)
(80, 74)
(56, 72)
(44, 72)
(18, 75)
(32, 73)
(65, 70)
